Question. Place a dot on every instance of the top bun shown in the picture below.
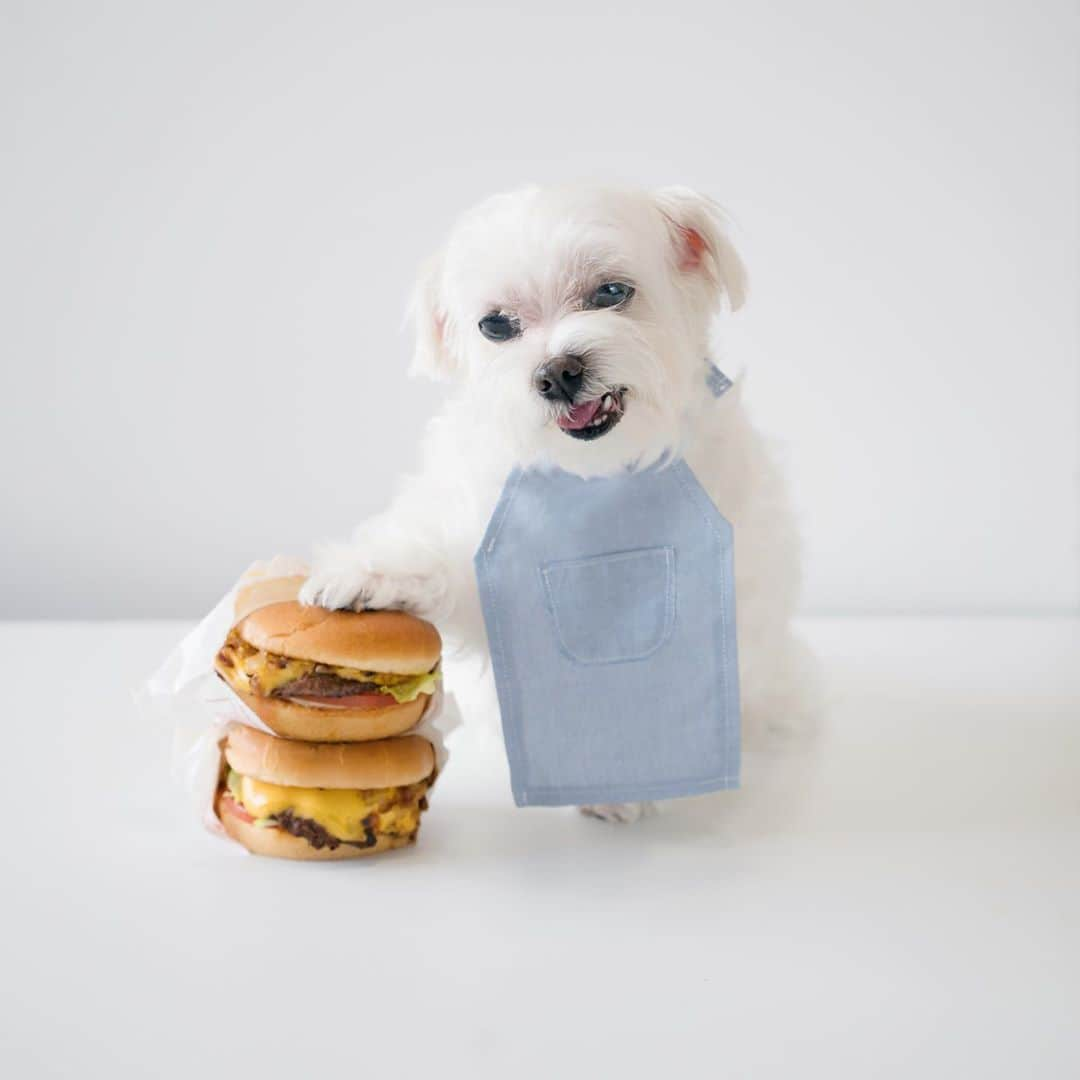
(388, 642)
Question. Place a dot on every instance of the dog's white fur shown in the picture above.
(537, 253)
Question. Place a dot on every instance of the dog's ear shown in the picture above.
(699, 232)
(434, 355)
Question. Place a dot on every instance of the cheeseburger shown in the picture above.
(300, 800)
(332, 676)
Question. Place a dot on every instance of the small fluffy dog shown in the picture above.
(616, 291)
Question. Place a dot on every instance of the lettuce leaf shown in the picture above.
(232, 782)
(413, 688)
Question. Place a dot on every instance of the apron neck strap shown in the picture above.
(717, 382)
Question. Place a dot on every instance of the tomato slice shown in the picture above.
(350, 701)
(234, 808)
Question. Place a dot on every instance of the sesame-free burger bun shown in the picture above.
(390, 642)
(367, 766)
(282, 845)
(317, 723)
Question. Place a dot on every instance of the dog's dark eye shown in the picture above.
(499, 327)
(611, 294)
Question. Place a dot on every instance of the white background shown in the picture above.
(212, 213)
(903, 908)
(210, 216)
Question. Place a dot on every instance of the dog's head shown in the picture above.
(577, 319)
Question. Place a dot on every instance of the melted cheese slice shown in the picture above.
(340, 812)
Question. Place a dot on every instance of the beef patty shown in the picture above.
(324, 685)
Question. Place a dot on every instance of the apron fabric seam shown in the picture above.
(510, 730)
(502, 510)
(710, 512)
(637, 792)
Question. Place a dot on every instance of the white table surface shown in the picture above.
(914, 913)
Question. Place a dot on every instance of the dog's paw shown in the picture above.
(341, 583)
(338, 588)
(618, 813)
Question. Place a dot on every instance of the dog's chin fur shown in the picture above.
(538, 254)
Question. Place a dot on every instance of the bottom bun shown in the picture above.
(315, 723)
(279, 844)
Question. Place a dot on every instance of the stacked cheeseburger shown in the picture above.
(340, 777)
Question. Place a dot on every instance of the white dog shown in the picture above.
(627, 284)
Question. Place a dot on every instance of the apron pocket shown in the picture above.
(608, 609)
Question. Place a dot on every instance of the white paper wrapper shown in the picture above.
(186, 692)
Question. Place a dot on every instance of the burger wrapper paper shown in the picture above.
(186, 692)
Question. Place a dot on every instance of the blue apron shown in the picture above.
(610, 612)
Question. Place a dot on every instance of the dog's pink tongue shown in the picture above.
(580, 416)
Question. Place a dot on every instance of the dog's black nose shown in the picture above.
(560, 379)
